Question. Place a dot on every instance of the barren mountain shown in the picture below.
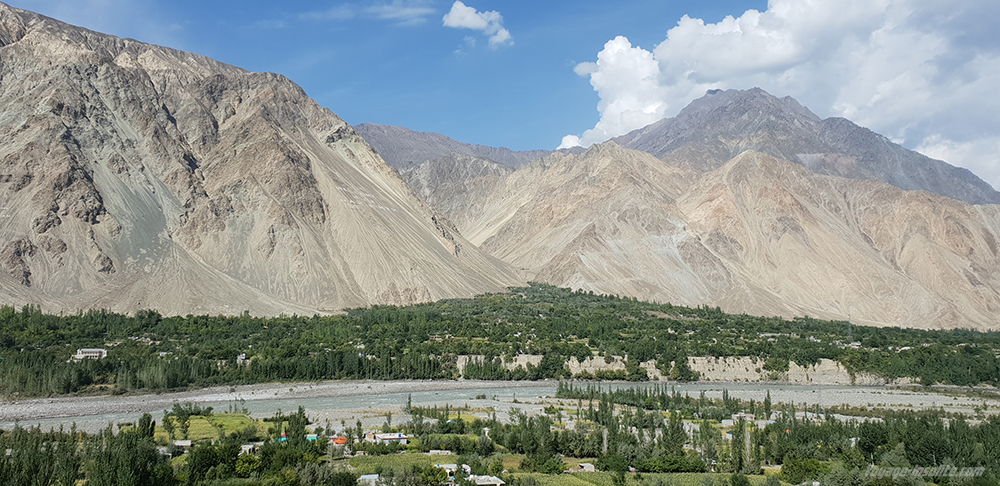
(444, 180)
(719, 126)
(758, 235)
(134, 176)
(403, 148)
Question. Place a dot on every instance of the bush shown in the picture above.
(795, 470)
(670, 464)
(612, 463)
(739, 480)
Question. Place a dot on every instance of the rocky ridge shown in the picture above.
(404, 149)
(722, 124)
(759, 235)
(134, 176)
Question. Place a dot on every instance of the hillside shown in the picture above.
(759, 235)
(403, 148)
(135, 176)
(723, 124)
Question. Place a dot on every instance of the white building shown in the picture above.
(394, 438)
(486, 480)
(89, 353)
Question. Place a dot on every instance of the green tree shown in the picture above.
(126, 459)
(738, 479)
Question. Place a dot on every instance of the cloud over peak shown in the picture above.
(490, 23)
(922, 73)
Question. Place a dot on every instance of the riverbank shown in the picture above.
(69, 407)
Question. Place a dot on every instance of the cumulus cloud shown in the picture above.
(922, 72)
(490, 23)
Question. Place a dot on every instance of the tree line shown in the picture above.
(151, 352)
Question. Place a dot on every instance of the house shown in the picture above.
(582, 467)
(439, 452)
(393, 438)
(89, 353)
(247, 449)
(486, 480)
(451, 469)
(183, 444)
(339, 440)
(368, 480)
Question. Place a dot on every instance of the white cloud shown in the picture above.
(490, 23)
(922, 72)
(403, 12)
(406, 12)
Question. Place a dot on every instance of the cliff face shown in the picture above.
(134, 176)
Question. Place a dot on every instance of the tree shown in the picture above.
(168, 424)
(147, 426)
(738, 479)
(247, 465)
(485, 446)
(126, 459)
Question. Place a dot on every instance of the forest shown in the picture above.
(151, 352)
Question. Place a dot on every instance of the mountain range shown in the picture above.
(134, 176)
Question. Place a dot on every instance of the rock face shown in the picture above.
(759, 235)
(722, 124)
(404, 149)
(134, 176)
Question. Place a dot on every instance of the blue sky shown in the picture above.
(408, 70)
(922, 72)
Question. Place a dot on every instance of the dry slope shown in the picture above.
(135, 176)
(758, 235)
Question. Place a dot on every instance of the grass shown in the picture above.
(202, 428)
(398, 462)
(232, 422)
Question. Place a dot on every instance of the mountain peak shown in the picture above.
(150, 178)
(722, 124)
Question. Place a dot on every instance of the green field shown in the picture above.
(202, 428)
(398, 462)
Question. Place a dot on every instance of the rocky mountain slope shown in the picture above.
(403, 148)
(134, 176)
(719, 126)
(759, 235)
(444, 180)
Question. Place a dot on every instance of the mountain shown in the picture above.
(135, 176)
(759, 235)
(445, 180)
(403, 148)
(719, 126)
